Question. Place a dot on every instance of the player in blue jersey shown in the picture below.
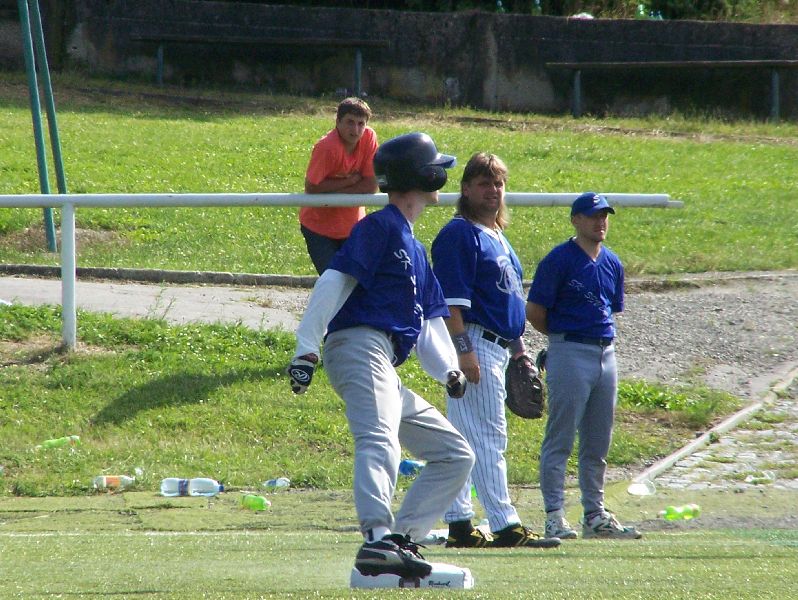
(481, 279)
(377, 301)
(576, 290)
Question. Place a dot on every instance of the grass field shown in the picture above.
(736, 179)
(139, 545)
(212, 400)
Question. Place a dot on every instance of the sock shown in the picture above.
(377, 533)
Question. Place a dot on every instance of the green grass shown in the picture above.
(139, 545)
(213, 400)
(736, 179)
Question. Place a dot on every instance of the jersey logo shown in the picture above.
(590, 297)
(404, 258)
(509, 281)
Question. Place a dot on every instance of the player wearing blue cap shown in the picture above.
(481, 277)
(576, 290)
(377, 301)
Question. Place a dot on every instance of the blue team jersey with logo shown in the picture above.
(480, 272)
(396, 287)
(580, 294)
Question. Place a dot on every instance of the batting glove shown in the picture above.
(300, 372)
(456, 384)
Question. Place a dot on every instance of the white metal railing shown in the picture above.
(68, 203)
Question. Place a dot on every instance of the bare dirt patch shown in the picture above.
(33, 239)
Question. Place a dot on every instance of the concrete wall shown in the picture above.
(484, 60)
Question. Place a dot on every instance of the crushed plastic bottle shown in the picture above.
(198, 486)
(113, 482)
(410, 468)
(280, 482)
(255, 502)
(69, 440)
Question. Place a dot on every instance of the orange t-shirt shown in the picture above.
(329, 159)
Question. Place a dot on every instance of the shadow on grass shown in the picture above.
(173, 390)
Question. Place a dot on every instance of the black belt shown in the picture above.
(580, 339)
(492, 337)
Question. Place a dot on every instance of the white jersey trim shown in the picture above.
(459, 302)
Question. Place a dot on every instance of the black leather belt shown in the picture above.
(580, 339)
(492, 337)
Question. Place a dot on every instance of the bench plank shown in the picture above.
(773, 64)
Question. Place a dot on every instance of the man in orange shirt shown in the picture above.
(341, 163)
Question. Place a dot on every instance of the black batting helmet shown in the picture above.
(411, 162)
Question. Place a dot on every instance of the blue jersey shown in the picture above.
(580, 294)
(396, 287)
(480, 272)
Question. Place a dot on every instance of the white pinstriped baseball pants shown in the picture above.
(480, 417)
(383, 414)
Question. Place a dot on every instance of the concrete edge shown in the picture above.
(706, 438)
(633, 284)
(166, 276)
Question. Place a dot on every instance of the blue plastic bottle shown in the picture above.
(410, 468)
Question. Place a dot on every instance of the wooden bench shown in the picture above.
(162, 39)
(578, 67)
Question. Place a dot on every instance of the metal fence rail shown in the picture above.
(69, 202)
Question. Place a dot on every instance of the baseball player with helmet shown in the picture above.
(377, 301)
(576, 290)
(481, 279)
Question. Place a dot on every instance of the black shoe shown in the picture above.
(518, 535)
(462, 534)
(394, 554)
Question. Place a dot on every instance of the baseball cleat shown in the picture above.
(394, 554)
(519, 536)
(476, 538)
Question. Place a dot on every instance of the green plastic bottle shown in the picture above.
(678, 513)
(69, 440)
(254, 502)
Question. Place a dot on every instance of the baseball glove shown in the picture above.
(526, 396)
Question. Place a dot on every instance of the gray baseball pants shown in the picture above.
(582, 382)
(383, 416)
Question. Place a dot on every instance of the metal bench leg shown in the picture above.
(774, 95)
(358, 69)
(576, 101)
(159, 65)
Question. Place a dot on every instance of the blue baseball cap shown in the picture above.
(589, 204)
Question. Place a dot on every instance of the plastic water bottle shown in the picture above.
(69, 440)
(678, 513)
(253, 502)
(199, 486)
(204, 486)
(410, 468)
(113, 482)
(280, 482)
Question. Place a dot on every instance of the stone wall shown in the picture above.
(485, 60)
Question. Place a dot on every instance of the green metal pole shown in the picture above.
(49, 101)
(36, 115)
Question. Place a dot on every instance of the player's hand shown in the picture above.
(456, 384)
(469, 365)
(300, 372)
